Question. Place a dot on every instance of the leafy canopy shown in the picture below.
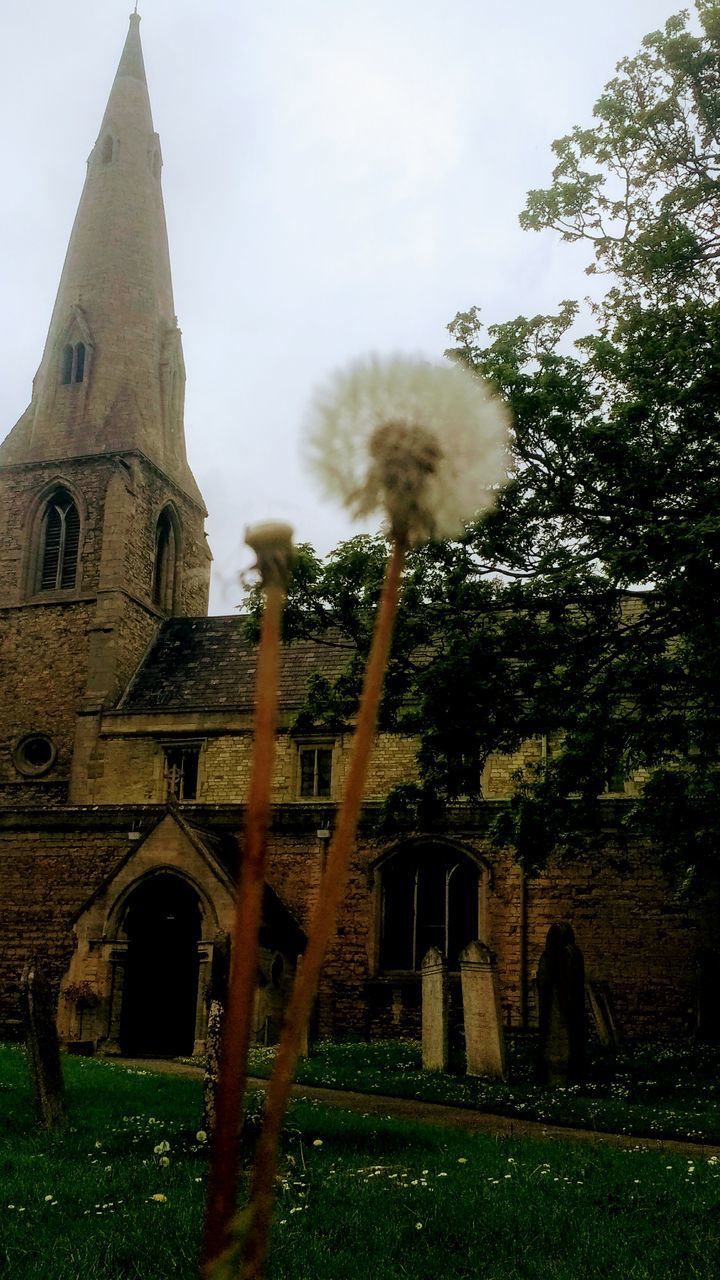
(585, 607)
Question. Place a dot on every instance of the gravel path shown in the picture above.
(450, 1117)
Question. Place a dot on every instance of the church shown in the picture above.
(126, 711)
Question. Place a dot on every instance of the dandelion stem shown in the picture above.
(222, 1191)
(322, 925)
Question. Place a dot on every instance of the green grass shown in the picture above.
(668, 1090)
(359, 1197)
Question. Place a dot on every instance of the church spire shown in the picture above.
(112, 374)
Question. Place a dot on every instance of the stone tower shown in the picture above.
(101, 521)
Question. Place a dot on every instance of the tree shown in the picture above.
(641, 186)
(586, 606)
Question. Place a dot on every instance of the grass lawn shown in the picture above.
(360, 1197)
(667, 1090)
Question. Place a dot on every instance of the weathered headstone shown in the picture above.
(216, 997)
(42, 1046)
(707, 1025)
(305, 1037)
(434, 1011)
(603, 1016)
(561, 1001)
(484, 1037)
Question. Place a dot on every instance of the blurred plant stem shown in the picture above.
(322, 926)
(273, 547)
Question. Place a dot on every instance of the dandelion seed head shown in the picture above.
(423, 444)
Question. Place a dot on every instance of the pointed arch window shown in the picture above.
(72, 364)
(59, 544)
(429, 898)
(166, 556)
(68, 356)
(108, 147)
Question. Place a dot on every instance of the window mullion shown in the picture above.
(61, 549)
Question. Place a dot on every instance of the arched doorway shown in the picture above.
(162, 925)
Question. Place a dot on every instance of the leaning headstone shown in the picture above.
(216, 997)
(42, 1046)
(484, 1038)
(603, 1017)
(434, 1011)
(561, 1007)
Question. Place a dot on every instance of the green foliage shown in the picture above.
(641, 185)
(584, 607)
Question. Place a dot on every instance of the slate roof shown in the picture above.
(207, 664)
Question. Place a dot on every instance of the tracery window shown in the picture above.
(429, 898)
(59, 544)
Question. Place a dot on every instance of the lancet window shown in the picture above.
(72, 365)
(166, 553)
(59, 543)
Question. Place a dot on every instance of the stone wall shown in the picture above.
(632, 935)
(66, 650)
(131, 768)
(45, 876)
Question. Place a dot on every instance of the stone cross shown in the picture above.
(484, 1038)
(434, 1011)
(561, 1007)
(42, 1047)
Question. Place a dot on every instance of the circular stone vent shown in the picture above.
(34, 754)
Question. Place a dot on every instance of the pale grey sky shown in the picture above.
(339, 176)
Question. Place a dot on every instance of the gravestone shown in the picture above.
(484, 1037)
(561, 1007)
(434, 1011)
(305, 1037)
(216, 997)
(42, 1047)
(603, 1016)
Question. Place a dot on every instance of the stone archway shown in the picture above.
(162, 927)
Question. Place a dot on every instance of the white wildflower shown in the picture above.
(425, 444)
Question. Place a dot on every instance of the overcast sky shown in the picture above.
(340, 176)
